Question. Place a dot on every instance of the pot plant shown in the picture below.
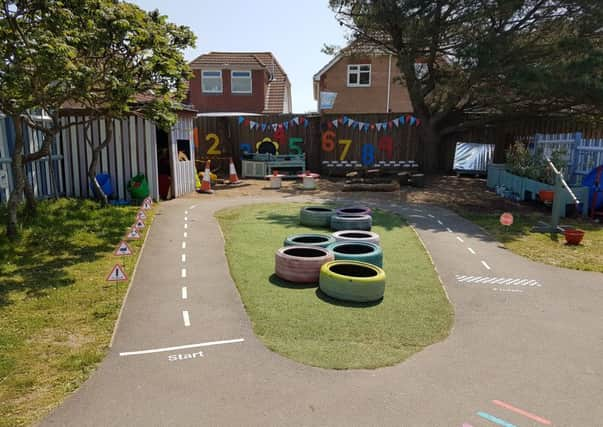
(573, 236)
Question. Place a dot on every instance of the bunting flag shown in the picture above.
(334, 123)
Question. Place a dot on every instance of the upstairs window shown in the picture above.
(359, 75)
(240, 81)
(211, 81)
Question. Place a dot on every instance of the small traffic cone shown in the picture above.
(206, 183)
(233, 178)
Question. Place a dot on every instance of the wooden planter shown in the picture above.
(546, 195)
(573, 236)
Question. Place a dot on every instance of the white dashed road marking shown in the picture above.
(183, 273)
(184, 293)
(185, 234)
(183, 258)
(440, 222)
(471, 250)
(459, 239)
(448, 229)
(186, 218)
(183, 245)
(486, 265)
(185, 226)
(186, 318)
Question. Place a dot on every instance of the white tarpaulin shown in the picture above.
(472, 157)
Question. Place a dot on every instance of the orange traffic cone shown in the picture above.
(206, 183)
(233, 178)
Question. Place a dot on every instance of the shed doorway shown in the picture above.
(164, 165)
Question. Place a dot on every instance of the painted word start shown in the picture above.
(185, 356)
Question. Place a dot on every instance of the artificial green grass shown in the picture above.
(57, 312)
(546, 248)
(301, 323)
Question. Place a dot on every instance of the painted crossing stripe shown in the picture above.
(487, 280)
(495, 420)
(523, 412)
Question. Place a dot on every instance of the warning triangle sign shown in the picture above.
(117, 274)
(123, 249)
(146, 205)
(133, 234)
(141, 215)
(150, 200)
(139, 224)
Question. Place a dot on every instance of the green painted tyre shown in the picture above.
(352, 281)
(315, 216)
(321, 240)
(352, 222)
(357, 251)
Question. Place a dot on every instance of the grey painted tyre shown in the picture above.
(357, 251)
(316, 216)
(354, 211)
(300, 264)
(352, 281)
(321, 240)
(356, 236)
(354, 222)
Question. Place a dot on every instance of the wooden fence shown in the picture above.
(364, 138)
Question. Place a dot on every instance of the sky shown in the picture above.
(294, 31)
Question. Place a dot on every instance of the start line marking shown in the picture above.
(181, 347)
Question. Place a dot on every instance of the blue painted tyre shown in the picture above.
(354, 211)
(320, 240)
(357, 251)
(315, 216)
(353, 222)
(352, 281)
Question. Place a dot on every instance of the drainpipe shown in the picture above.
(389, 81)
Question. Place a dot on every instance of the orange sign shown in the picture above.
(506, 219)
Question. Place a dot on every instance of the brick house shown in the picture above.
(245, 82)
(365, 81)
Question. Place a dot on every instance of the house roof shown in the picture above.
(278, 82)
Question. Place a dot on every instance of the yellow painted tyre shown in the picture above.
(352, 281)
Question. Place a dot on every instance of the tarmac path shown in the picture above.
(526, 348)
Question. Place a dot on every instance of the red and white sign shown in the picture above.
(150, 200)
(506, 219)
(139, 224)
(146, 205)
(133, 234)
(123, 249)
(141, 215)
(117, 274)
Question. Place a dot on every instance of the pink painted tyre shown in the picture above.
(301, 264)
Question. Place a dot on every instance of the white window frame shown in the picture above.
(357, 72)
(232, 78)
(204, 90)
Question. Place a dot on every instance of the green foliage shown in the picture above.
(521, 162)
(497, 57)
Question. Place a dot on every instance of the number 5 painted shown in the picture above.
(294, 147)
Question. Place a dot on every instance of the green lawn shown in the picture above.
(57, 312)
(545, 248)
(306, 326)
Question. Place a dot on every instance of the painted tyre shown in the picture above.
(354, 210)
(356, 236)
(300, 264)
(352, 281)
(354, 222)
(316, 216)
(357, 251)
(321, 240)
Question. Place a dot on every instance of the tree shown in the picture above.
(136, 66)
(485, 58)
(104, 55)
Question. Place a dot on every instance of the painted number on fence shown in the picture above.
(346, 147)
(294, 143)
(213, 149)
(328, 141)
(386, 144)
(368, 155)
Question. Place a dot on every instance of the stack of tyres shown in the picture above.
(316, 216)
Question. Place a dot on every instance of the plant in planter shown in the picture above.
(522, 163)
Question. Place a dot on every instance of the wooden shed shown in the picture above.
(135, 149)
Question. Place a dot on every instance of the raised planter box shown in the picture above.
(527, 189)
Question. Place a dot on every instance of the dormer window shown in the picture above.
(240, 81)
(359, 75)
(211, 81)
